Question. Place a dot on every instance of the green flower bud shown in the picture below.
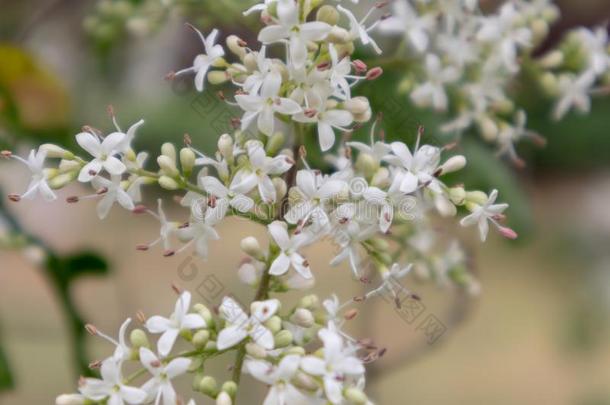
(280, 187)
(275, 143)
(303, 317)
(338, 35)
(379, 244)
(251, 247)
(366, 164)
(311, 302)
(138, 338)
(256, 351)
(356, 396)
(197, 380)
(453, 164)
(205, 313)
(218, 77)
(274, 324)
(168, 183)
(224, 399)
(69, 166)
(200, 339)
(476, 197)
(225, 146)
(298, 350)
(305, 381)
(237, 46)
(56, 152)
(488, 128)
(328, 14)
(457, 195)
(230, 388)
(208, 386)
(211, 346)
(62, 180)
(283, 339)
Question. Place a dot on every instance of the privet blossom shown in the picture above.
(375, 205)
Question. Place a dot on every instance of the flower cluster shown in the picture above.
(375, 207)
(467, 61)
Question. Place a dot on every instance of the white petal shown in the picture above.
(279, 233)
(280, 265)
(114, 166)
(90, 143)
(326, 136)
(229, 337)
(177, 367)
(272, 33)
(166, 341)
(313, 365)
(157, 324)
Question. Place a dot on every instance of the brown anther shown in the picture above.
(82, 381)
(95, 365)
(343, 221)
(6, 154)
(14, 197)
(499, 217)
(415, 297)
(176, 289)
(310, 112)
(451, 146)
(365, 280)
(212, 202)
(438, 172)
(221, 95)
(385, 16)
(302, 151)
(382, 352)
(518, 162)
(169, 253)
(235, 122)
(187, 140)
(92, 173)
(305, 263)
(72, 200)
(140, 209)
(141, 317)
(110, 110)
(102, 190)
(348, 153)
(374, 73)
(142, 248)
(360, 66)
(323, 66)
(155, 363)
(397, 303)
(242, 43)
(170, 76)
(183, 225)
(382, 4)
(351, 314)
(92, 330)
(359, 298)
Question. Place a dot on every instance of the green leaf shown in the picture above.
(85, 263)
(6, 377)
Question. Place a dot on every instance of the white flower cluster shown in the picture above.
(375, 207)
(467, 61)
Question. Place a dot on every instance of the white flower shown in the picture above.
(201, 226)
(339, 73)
(159, 387)
(432, 92)
(135, 181)
(258, 7)
(121, 351)
(113, 192)
(203, 62)
(258, 174)
(241, 326)
(358, 30)
(289, 254)
(125, 145)
(391, 282)
(327, 121)
(405, 20)
(338, 363)
(297, 34)
(38, 183)
(316, 191)
(111, 387)
(282, 392)
(574, 93)
(419, 167)
(240, 202)
(596, 45)
(265, 105)
(170, 327)
(166, 229)
(377, 150)
(103, 153)
(266, 73)
(486, 212)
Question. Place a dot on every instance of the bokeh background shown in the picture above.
(538, 333)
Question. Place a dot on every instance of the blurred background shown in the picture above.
(538, 333)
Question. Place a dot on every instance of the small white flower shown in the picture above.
(169, 328)
(240, 202)
(264, 106)
(289, 28)
(103, 153)
(391, 282)
(203, 62)
(201, 226)
(159, 387)
(316, 191)
(289, 255)
(596, 45)
(241, 326)
(405, 20)
(339, 362)
(328, 121)
(114, 192)
(258, 174)
(419, 167)
(130, 135)
(574, 93)
(265, 75)
(358, 30)
(432, 92)
(122, 351)
(38, 183)
(111, 387)
(486, 212)
(282, 392)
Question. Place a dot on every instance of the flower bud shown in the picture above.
(328, 14)
(359, 107)
(276, 141)
(168, 183)
(347, 48)
(208, 386)
(248, 274)
(237, 46)
(303, 317)
(225, 146)
(453, 164)
(379, 244)
(256, 351)
(283, 339)
(251, 247)
(298, 350)
(69, 165)
(305, 381)
(230, 388)
(187, 160)
(444, 206)
(205, 313)
(381, 178)
(219, 63)
(224, 399)
(280, 187)
(356, 396)
(550, 84)
(54, 151)
(274, 324)
(62, 180)
(218, 77)
(138, 338)
(488, 128)
(168, 166)
(200, 339)
(476, 197)
(366, 164)
(169, 150)
(457, 195)
(251, 62)
(551, 60)
(540, 30)
(197, 380)
(211, 346)
(70, 399)
(338, 35)
(311, 302)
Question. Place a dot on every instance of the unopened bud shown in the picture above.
(237, 46)
(70, 399)
(351, 314)
(275, 143)
(224, 399)
(218, 77)
(540, 30)
(205, 313)
(359, 107)
(476, 197)
(187, 160)
(366, 164)
(280, 187)
(356, 396)
(168, 166)
(230, 388)
(62, 180)
(256, 351)
(283, 339)
(305, 381)
(138, 338)
(457, 195)
(225, 146)
(311, 302)
(274, 324)
(303, 317)
(54, 151)
(169, 150)
(250, 246)
(168, 183)
(338, 35)
(453, 164)
(200, 339)
(208, 386)
(328, 14)
(550, 84)
(488, 128)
